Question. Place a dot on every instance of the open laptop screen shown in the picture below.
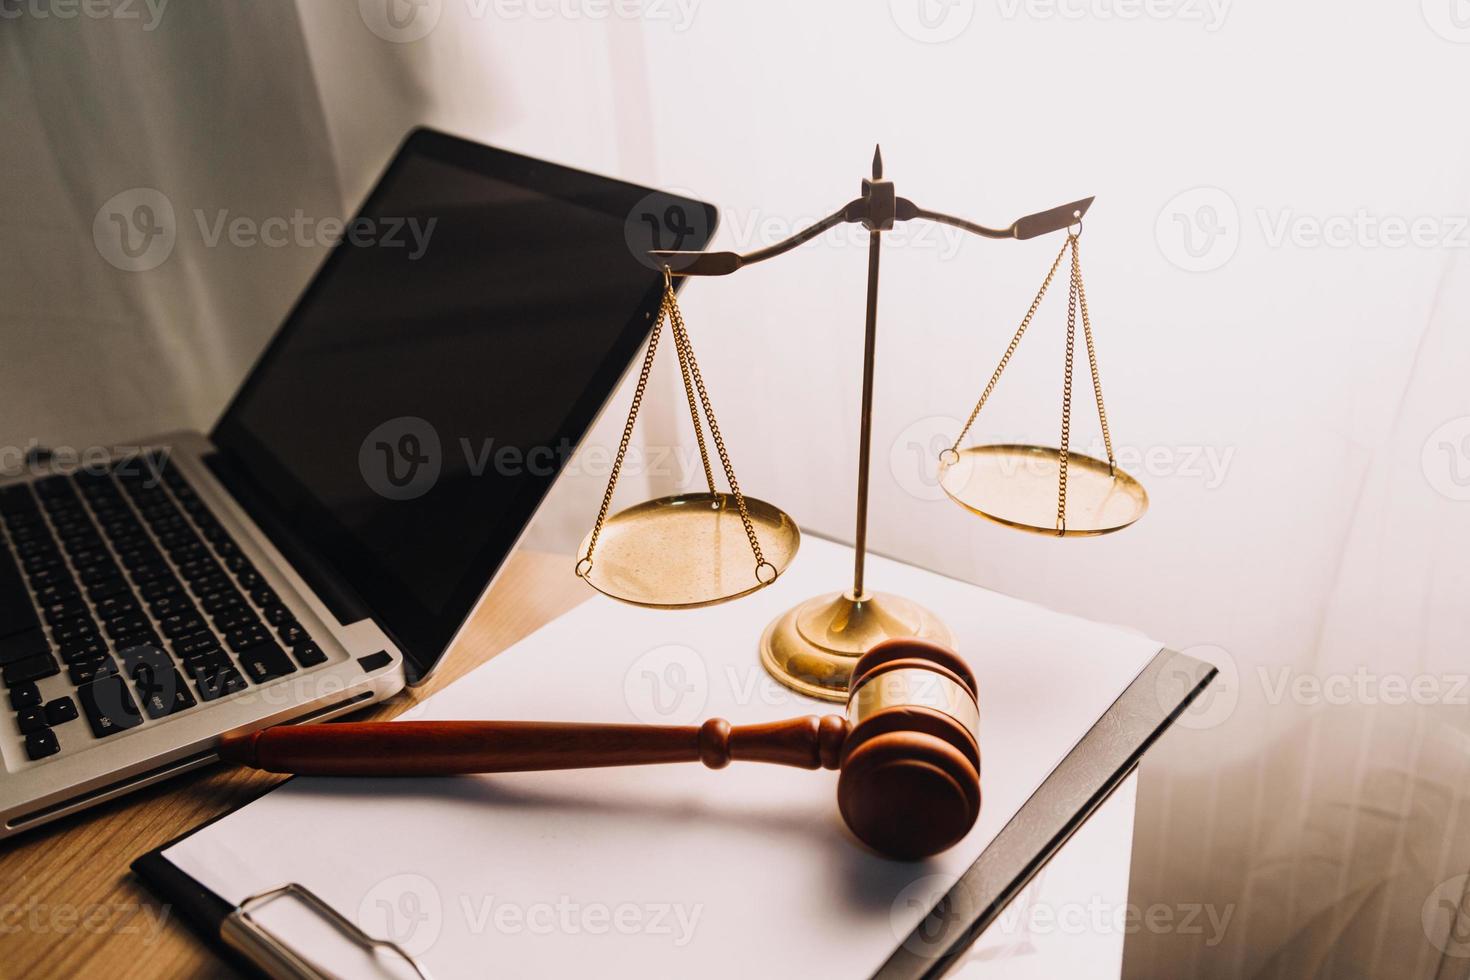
(437, 373)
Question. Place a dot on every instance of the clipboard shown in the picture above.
(1105, 756)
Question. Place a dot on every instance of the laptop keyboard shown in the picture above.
(123, 580)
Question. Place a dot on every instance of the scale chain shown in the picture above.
(1102, 413)
(617, 466)
(693, 383)
(1010, 350)
(681, 335)
(686, 355)
(1067, 393)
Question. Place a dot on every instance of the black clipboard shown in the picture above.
(1081, 782)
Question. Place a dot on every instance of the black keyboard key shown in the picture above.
(138, 639)
(143, 574)
(184, 554)
(60, 711)
(16, 498)
(265, 662)
(58, 575)
(25, 695)
(42, 561)
(30, 720)
(292, 633)
(246, 637)
(196, 571)
(41, 744)
(30, 669)
(140, 556)
(106, 589)
(221, 598)
(87, 671)
(79, 650)
(308, 654)
(196, 644)
(264, 595)
(208, 584)
(91, 557)
(172, 605)
(144, 653)
(129, 625)
(56, 593)
(108, 705)
(208, 662)
(276, 615)
(101, 572)
(64, 612)
(183, 624)
(55, 487)
(17, 615)
(216, 680)
(162, 693)
(118, 605)
(19, 646)
(159, 588)
(79, 630)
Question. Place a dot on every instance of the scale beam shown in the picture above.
(724, 263)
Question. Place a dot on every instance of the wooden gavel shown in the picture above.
(908, 749)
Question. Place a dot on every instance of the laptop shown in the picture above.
(323, 546)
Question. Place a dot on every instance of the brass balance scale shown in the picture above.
(699, 549)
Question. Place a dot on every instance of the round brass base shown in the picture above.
(813, 647)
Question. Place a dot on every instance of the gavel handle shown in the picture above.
(440, 748)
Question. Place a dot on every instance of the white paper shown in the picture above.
(665, 870)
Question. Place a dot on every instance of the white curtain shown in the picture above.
(1285, 374)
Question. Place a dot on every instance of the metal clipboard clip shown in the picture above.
(241, 932)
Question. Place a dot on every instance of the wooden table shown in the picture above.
(70, 907)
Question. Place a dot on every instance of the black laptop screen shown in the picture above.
(439, 370)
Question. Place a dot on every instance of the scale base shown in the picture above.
(813, 647)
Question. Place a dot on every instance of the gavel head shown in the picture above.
(910, 768)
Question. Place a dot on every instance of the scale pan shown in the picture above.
(1017, 486)
(688, 551)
